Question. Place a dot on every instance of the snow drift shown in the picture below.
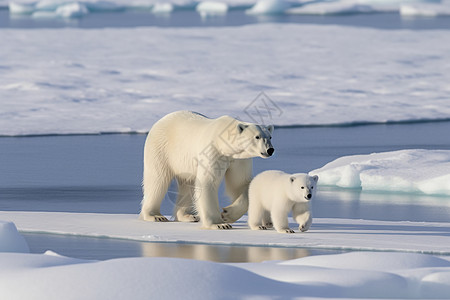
(412, 171)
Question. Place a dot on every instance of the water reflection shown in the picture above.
(105, 248)
(221, 253)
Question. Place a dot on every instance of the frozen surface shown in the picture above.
(412, 171)
(10, 239)
(347, 234)
(430, 8)
(119, 80)
(384, 275)
(353, 275)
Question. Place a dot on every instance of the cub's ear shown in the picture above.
(315, 178)
(270, 128)
(241, 127)
(292, 179)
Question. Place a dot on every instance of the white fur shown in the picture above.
(273, 194)
(199, 152)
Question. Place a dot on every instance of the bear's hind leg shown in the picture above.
(184, 208)
(155, 187)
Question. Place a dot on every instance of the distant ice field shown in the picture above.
(73, 81)
(191, 18)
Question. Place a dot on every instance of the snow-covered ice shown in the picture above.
(412, 171)
(10, 239)
(383, 275)
(325, 233)
(121, 80)
(352, 275)
(429, 8)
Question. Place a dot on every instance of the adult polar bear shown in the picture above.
(199, 152)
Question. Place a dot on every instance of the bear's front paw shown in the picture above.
(223, 226)
(161, 219)
(262, 227)
(286, 230)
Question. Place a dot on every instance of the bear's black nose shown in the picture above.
(309, 196)
(270, 151)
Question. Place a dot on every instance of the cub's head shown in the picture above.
(255, 140)
(303, 187)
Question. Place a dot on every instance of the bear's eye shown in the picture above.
(312, 187)
(257, 137)
(270, 138)
(303, 187)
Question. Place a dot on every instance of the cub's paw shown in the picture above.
(222, 226)
(189, 218)
(303, 228)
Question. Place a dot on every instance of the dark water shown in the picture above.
(237, 17)
(105, 248)
(102, 173)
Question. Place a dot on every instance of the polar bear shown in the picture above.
(199, 152)
(273, 194)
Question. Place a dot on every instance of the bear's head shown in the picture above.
(254, 140)
(303, 187)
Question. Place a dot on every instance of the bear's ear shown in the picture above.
(241, 127)
(292, 179)
(270, 128)
(315, 178)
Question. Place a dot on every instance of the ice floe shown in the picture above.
(114, 80)
(411, 171)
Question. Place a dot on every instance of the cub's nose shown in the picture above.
(270, 151)
(309, 196)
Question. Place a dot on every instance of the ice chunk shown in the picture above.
(212, 8)
(332, 8)
(162, 8)
(266, 7)
(412, 171)
(21, 8)
(11, 240)
(72, 10)
(425, 10)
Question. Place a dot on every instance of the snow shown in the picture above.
(384, 275)
(325, 233)
(411, 171)
(53, 277)
(116, 80)
(10, 239)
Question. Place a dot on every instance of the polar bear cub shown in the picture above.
(273, 194)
